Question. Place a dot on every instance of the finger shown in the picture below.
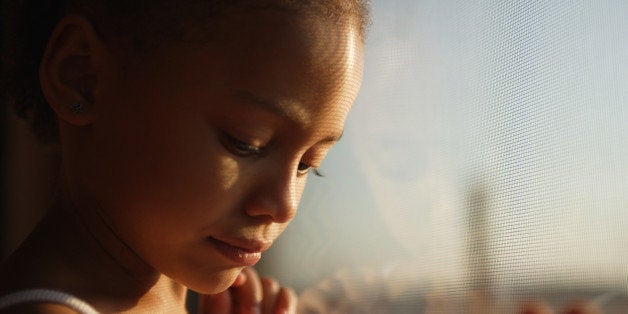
(270, 290)
(286, 301)
(248, 296)
(582, 307)
(240, 280)
(216, 303)
(536, 307)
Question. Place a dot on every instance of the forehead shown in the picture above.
(309, 67)
(295, 60)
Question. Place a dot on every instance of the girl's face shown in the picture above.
(199, 154)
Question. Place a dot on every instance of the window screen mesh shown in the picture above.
(483, 164)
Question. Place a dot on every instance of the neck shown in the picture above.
(86, 257)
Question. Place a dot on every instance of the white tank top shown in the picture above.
(49, 296)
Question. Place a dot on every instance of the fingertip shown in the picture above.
(286, 301)
(270, 289)
(536, 307)
(248, 296)
(240, 279)
(270, 285)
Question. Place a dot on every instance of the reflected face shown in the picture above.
(200, 154)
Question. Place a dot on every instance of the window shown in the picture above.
(483, 164)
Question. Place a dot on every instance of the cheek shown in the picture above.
(163, 172)
(229, 173)
(298, 191)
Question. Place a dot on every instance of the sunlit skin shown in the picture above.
(186, 149)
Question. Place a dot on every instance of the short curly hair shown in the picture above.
(137, 25)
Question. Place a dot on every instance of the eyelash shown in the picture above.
(243, 149)
(309, 169)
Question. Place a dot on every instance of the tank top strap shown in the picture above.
(46, 295)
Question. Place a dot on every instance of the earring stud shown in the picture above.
(77, 107)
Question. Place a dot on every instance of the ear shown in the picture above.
(69, 70)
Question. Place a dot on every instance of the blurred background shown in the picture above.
(485, 158)
(484, 164)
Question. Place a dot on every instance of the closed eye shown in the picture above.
(241, 148)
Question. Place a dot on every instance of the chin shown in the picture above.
(214, 283)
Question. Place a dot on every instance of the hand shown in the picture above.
(250, 294)
(356, 290)
(574, 307)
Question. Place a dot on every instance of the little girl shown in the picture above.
(186, 131)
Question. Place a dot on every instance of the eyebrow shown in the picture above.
(283, 110)
(289, 112)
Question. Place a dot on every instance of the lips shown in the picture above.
(242, 252)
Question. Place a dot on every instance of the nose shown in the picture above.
(276, 196)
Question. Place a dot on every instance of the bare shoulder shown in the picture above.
(39, 308)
